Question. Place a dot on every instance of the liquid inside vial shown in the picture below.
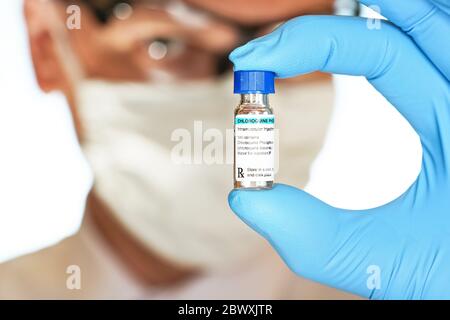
(254, 139)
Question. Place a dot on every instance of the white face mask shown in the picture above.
(181, 210)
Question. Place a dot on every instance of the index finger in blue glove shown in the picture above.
(425, 23)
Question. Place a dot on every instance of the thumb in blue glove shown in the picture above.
(407, 240)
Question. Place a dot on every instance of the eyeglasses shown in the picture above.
(105, 9)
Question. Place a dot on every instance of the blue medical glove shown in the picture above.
(401, 249)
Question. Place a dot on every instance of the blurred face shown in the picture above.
(124, 129)
(149, 39)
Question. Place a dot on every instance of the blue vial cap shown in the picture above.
(254, 81)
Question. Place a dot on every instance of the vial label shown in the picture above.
(254, 147)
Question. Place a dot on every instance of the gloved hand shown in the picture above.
(399, 250)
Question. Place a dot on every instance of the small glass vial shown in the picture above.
(254, 131)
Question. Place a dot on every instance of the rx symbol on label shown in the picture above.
(240, 173)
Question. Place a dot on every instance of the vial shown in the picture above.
(254, 135)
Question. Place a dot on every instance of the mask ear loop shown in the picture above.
(60, 33)
(72, 68)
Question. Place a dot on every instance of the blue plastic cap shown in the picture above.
(254, 81)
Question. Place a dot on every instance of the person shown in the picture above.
(399, 250)
(137, 76)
